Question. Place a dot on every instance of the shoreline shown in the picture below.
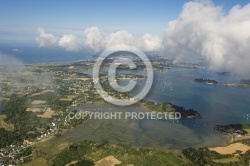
(166, 146)
(231, 139)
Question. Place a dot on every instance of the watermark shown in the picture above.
(125, 115)
(112, 73)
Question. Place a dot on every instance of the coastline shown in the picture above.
(231, 139)
(128, 129)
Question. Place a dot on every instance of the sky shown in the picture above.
(215, 30)
(19, 20)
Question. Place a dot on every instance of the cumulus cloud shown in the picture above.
(94, 38)
(119, 37)
(150, 42)
(97, 40)
(70, 43)
(204, 29)
(45, 39)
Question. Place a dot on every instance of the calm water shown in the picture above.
(218, 105)
(30, 53)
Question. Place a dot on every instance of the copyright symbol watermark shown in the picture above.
(112, 75)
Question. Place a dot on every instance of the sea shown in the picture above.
(33, 54)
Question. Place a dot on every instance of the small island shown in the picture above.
(242, 83)
(207, 81)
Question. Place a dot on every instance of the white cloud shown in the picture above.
(203, 29)
(45, 39)
(70, 43)
(119, 37)
(97, 40)
(94, 38)
(150, 42)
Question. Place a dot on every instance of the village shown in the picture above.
(50, 91)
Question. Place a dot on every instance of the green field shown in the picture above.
(227, 160)
(3, 124)
(59, 152)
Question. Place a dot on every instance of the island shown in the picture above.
(207, 81)
(242, 83)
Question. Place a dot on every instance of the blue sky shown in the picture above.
(19, 20)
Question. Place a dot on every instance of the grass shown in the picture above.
(37, 162)
(247, 130)
(159, 107)
(125, 154)
(45, 91)
(4, 98)
(48, 149)
(227, 160)
(45, 152)
(3, 124)
(8, 94)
